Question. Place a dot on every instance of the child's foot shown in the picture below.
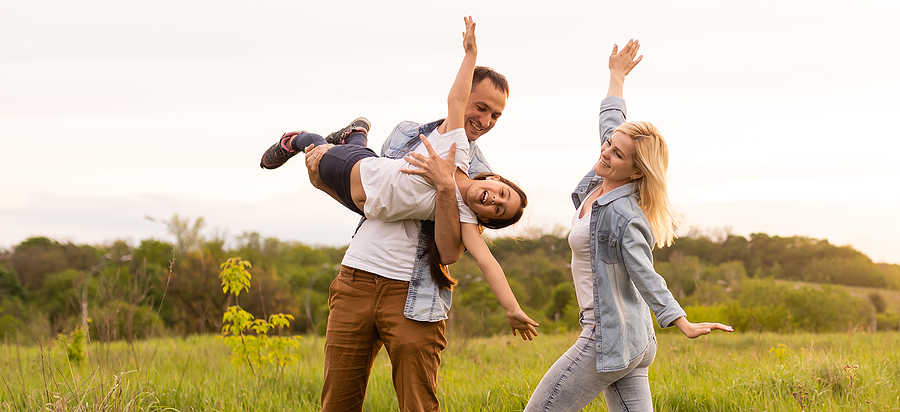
(278, 153)
(361, 124)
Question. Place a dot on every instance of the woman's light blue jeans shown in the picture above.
(573, 381)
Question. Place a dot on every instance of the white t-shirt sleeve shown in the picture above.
(466, 215)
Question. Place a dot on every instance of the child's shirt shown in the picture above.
(392, 195)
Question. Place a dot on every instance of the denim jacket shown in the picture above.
(424, 301)
(625, 282)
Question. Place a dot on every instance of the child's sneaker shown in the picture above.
(361, 124)
(279, 153)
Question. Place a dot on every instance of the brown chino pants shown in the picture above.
(366, 313)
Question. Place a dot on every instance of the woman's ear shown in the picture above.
(495, 178)
(637, 174)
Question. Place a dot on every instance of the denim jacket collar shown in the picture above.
(621, 191)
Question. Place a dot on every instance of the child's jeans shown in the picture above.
(337, 163)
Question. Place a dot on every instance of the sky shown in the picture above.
(778, 115)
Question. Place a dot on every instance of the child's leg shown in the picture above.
(360, 124)
(303, 139)
(358, 139)
(336, 168)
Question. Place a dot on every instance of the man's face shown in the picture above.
(486, 104)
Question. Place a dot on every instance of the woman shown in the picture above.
(623, 209)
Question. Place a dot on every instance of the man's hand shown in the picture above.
(313, 157)
(437, 171)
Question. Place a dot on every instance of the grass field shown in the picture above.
(723, 372)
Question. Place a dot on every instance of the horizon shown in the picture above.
(110, 112)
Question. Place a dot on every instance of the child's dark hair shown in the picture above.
(440, 273)
(502, 223)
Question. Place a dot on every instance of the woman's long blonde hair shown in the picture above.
(651, 157)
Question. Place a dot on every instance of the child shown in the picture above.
(376, 187)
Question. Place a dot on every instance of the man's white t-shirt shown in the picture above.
(383, 244)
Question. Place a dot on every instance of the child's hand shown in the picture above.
(520, 322)
(469, 36)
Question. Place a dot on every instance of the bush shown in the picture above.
(887, 321)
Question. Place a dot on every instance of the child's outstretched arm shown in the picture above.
(462, 86)
(492, 271)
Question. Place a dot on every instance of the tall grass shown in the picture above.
(723, 372)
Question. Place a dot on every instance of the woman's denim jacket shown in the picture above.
(625, 282)
(424, 301)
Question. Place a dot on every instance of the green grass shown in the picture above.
(723, 372)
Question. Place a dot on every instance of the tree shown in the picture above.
(10, 287)
(37, 257)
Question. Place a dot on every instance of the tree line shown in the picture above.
(123, 291)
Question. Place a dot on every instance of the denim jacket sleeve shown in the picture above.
(478, 164)
(612, 114)
(637, 248)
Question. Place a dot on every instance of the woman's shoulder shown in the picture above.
(628, 209)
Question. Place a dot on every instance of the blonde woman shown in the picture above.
(622, 211)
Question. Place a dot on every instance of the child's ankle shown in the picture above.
(289, 144)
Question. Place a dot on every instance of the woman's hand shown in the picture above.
(520, 322)
(693, 330)
(621, 62)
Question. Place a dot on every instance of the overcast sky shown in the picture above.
(779, 115)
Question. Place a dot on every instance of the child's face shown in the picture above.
(492, 199)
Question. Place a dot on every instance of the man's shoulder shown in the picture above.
(400, 141)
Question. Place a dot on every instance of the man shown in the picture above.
(384, 294)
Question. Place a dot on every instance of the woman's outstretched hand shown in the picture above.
(621, 62)
(693, 330)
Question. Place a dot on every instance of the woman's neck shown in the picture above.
(609, 185)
